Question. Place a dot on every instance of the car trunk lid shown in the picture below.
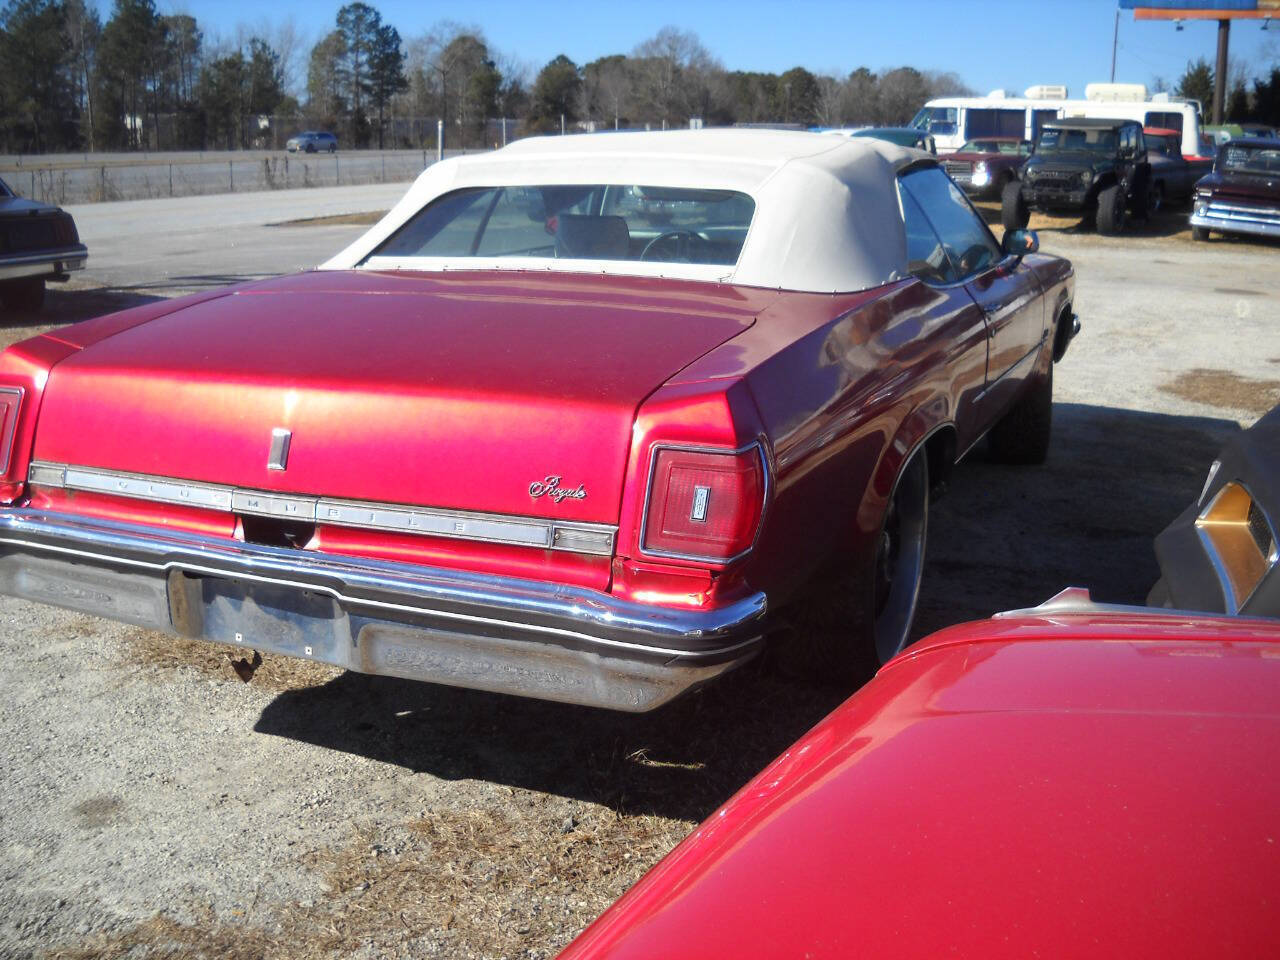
(459, 391)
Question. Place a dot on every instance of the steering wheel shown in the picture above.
(684, 240)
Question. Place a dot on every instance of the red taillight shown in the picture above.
(704, 505)
(10, 401)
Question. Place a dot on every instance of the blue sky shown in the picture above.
(989, 43)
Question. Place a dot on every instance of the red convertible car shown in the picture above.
(570, 422)
(1068, 781)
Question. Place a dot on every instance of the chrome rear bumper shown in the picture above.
(493, 633)
(56, 263)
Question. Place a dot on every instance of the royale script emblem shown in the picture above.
(550, 487)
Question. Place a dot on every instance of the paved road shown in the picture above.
(191, 242)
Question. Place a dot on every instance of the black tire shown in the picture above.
(858, 614)
(1155, 200)
(1014, 212)
(1112, 210)
(311, 148)
(1199, 233)
(23, 296)
(1022, 435)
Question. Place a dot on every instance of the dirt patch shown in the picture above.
(337, 220)
(517, 881)
(98, 812)
(1222, 388)
(218, 660)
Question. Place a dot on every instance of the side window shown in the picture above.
(965, 238)
(926, 257)
(445, 228)
(513, 230)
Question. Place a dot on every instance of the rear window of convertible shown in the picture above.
(590, 222)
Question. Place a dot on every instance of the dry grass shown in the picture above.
(337, 220)
(1222, 388)
(276, 674)
(517, 881)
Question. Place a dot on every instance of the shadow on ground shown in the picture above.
(65, 304)
(1004, 537)
(1170, 222)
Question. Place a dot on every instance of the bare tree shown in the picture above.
(673, 69)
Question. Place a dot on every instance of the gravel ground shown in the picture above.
(153, 805)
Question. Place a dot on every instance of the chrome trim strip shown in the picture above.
(141, 487)
(507, 603)
(544, 533)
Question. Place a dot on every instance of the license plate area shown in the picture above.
(272, 618)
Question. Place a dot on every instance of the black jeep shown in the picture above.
(1087, 166)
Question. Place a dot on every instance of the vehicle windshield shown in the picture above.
(1010, 148)
(584, 222)
(1238, 158)
(937, 120)
(1161, 144)
(1068, 140)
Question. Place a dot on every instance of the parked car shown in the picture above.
(983, 168)
(571, 421)
(1097, 168)
(1242, 194)
(1068, 781)
(1226, 132)
(1173, 176)
(312, 141)
(38, 242)
(902, 136)
(1222, 553)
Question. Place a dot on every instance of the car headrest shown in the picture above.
(595, 238)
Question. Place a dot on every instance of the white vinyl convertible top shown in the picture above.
(827, 217)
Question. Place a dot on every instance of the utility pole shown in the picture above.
(1115, 41)
(1220, 74)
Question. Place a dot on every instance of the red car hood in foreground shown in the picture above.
(446, 390)
(1036, 786)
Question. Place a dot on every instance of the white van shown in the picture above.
(955, 120)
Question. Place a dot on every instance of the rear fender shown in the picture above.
(923, 423)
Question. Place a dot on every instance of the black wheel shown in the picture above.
(1022, 434)
(23, 296)
(1112, 212)
(899, 561)
(858, 613)
(1199, 233)
(311, 148)
(1155, 199)
(1014, 212)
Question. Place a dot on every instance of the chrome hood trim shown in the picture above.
(538, 532)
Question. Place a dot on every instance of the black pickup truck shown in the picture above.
(1097, 168)
(1173, 176)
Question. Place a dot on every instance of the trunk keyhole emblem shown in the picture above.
(278, 458)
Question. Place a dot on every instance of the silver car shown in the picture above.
(312, 141)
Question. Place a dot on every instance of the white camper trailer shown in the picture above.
(955, 120)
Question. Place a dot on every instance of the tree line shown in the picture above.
(1247, 101)
(143, 80)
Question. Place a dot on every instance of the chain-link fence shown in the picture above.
(94, 178)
